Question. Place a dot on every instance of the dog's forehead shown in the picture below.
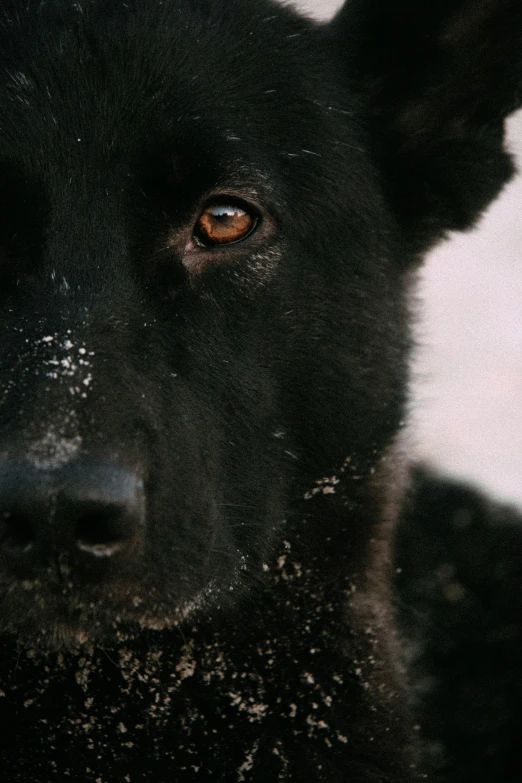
(113, 72)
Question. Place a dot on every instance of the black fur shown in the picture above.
(232, 415)
(459, 593)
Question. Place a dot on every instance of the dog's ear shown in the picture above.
(440, 76)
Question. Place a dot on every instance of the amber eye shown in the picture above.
(224, 224)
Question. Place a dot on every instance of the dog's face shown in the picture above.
(180, 268)
(204, 272)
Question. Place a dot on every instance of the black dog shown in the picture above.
(212, 211)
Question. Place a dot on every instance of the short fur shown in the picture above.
(252, 395)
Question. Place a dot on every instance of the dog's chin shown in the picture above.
(58, 634)
(70, 624)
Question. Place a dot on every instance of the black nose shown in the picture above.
(88, 514)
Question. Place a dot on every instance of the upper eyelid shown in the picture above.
(229, 199)
(227, 204)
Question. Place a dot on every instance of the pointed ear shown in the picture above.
(438, 78)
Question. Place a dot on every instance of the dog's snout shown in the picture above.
(89, 512)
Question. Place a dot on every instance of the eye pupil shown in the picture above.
(224, 224)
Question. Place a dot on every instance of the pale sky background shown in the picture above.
(467, 416)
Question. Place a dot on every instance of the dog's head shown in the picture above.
(210, 213)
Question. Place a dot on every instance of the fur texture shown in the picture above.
(201, 468)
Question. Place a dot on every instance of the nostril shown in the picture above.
(17, 534)
(102, 533)
(88, 514)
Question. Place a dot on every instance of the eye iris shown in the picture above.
(220, 225)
